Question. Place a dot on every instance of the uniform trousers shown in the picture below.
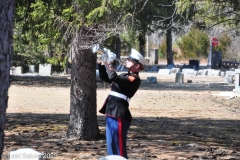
(116, 136)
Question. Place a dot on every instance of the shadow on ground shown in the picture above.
(148, 138)
(65, 81)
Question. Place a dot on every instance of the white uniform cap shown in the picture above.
(136, 55)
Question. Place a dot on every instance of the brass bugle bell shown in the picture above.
(100, 50)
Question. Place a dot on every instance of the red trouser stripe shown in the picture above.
(120, 136)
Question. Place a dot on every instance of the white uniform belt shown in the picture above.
(116, 94)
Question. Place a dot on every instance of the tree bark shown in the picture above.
(83, 118)
(142, 42)
(6, 38)
(169, 47)
(118, 46)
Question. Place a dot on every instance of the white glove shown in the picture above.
(95, 48)
(104, 58)
(111, 56)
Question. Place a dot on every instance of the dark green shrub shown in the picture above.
(194, 44)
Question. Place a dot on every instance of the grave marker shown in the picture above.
(185, 70)
(179, 78)
(229, 76)
(18, 70)
(213, 72)
(31, 69)
(45, 69)
(174, 70)
(164, 71)
(152, 80)
(202, 72)
(237, 81)
(189, 72)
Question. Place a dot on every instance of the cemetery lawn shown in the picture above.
(198, 120)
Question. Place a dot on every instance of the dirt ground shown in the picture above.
(188, 121)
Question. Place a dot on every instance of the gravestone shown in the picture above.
(31, 69)
(202, 72)
(237, 81)
(26, 154)
(174, 70)
(229, 79)
(230, 73)
(18, 70)
(152, 80)
(222, 73)
(164, 71)
(153, 56)
(194, 63)
(229, 76)
(45, 69)
(213, 72)
(12, 70)
(190, 73)
(185, 70)
(179, 78)
(216, 60)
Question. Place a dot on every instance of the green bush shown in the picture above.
(194, 44)
(162, 52)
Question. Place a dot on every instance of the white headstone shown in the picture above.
(213, 72)
(230, 73)
(151, 80)
(237, 81)
(174, 70)
(229, 79)
(18, 70)
(185, 70)
(12, 70)
(237, 71)
(45, 69)
(179, 78)
(26, 154)
(163, 71)
(190, 73)
(202, 72)
(31, 69)
(222, 73)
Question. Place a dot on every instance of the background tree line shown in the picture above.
(49, 30)
(38, 38)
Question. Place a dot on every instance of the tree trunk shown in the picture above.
(142, 42)
(169, 47)
(118, 46)
(6, 37)
(83, 118)
(66, 68)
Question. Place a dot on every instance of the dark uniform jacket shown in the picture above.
(126, 84)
